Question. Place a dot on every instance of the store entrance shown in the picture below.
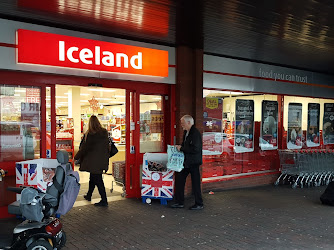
(136, 122)
(74, 105)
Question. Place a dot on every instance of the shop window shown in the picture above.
(20, 123)
(311, 123)
(238, 137)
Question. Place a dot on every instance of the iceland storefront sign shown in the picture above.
(71, 52)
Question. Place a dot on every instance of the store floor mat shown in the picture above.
(115, 195)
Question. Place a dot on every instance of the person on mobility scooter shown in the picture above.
(41, 230)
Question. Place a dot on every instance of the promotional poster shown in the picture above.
(295, 133)
(328, 124)
(30, 113)
(313, 118)
(269, 125)
(244, 126)
(212, 126)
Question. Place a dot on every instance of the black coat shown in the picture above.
(94, 153)
(192, 147)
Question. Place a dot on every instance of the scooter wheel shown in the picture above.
(40, 245)
(62, 240)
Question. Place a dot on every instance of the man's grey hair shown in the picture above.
(188, 118)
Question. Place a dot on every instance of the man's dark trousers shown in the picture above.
(180, 181)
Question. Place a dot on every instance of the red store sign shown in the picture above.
(71, 52)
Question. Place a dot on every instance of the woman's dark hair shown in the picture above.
(94, 125)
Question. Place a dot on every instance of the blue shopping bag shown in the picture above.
(175, 159)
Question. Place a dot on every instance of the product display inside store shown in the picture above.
(75, 105)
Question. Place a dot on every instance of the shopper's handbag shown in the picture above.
(112, 148)
(175, 159)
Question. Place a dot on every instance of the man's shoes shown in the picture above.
(101, 204)
(196, 207)
(88, 198)
(177, 205)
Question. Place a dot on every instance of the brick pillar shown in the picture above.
(189, 87)
(189, 67)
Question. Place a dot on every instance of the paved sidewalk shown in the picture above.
(258, 218)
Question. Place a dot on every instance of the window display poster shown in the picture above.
(313, 117)
(212, 114)
(269, 125)
(212, 126)
(295, 133)
(328, 127)
(244, 126)
(213, 107)
(33, 95)
(30, 113)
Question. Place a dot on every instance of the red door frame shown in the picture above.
(134, 160)
(43, 123)
(132, 173)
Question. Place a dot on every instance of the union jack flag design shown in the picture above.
(157, 184)
(26, 175)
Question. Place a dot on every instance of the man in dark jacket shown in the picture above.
(192, 149)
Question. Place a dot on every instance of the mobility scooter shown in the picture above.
(40, 229)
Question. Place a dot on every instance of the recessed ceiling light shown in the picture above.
(103, 90)
(104, 99)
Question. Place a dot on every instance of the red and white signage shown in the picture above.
(71, 52)
(33, 95)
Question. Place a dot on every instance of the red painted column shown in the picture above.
(280, 99)
(43, 124)
(53, 121)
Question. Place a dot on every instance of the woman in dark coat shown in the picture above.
(94, 158)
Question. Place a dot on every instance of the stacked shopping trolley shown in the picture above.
(118, 172)
(301, 168)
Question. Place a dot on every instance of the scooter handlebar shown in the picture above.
(17, 190)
